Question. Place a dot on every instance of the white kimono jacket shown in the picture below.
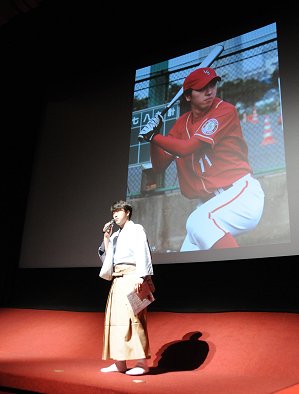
(128, 245)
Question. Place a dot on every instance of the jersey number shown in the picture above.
(202, 162)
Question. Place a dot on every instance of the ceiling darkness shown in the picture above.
(9, 9)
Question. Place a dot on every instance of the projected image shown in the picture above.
(207, 162)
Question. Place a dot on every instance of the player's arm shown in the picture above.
(175, 146)
(159, 158)
(166, 145)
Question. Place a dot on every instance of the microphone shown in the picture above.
(107, 227)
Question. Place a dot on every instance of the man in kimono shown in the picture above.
(127, 263)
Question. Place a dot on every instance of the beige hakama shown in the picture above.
(125, 335)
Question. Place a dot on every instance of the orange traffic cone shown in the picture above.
(255, 118)
(268, 134)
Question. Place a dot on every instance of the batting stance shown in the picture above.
(211, 157)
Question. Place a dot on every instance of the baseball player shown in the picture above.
(211, 157)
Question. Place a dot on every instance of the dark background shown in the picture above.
(58, 43)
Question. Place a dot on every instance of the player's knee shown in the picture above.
(196, 227)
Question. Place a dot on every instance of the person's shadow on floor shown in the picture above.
(183, 355)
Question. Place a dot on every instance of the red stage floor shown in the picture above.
(57, 352)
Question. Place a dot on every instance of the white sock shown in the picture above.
(118, 366)
(140, 368)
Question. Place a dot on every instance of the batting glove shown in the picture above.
(151, 128)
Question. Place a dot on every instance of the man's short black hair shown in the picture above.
(120, 204)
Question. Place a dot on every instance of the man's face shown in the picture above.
(203, 99)
(120, 216)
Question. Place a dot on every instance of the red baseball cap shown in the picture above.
(200, 78)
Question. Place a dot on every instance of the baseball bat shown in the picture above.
(215, 52)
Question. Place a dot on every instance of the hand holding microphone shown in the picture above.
(108, 226)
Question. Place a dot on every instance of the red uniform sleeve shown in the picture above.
(175, 146)
(159, 158)
(215, 128)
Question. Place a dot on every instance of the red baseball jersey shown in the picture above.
(217, 161)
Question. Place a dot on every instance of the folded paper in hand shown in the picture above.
(141, 300)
